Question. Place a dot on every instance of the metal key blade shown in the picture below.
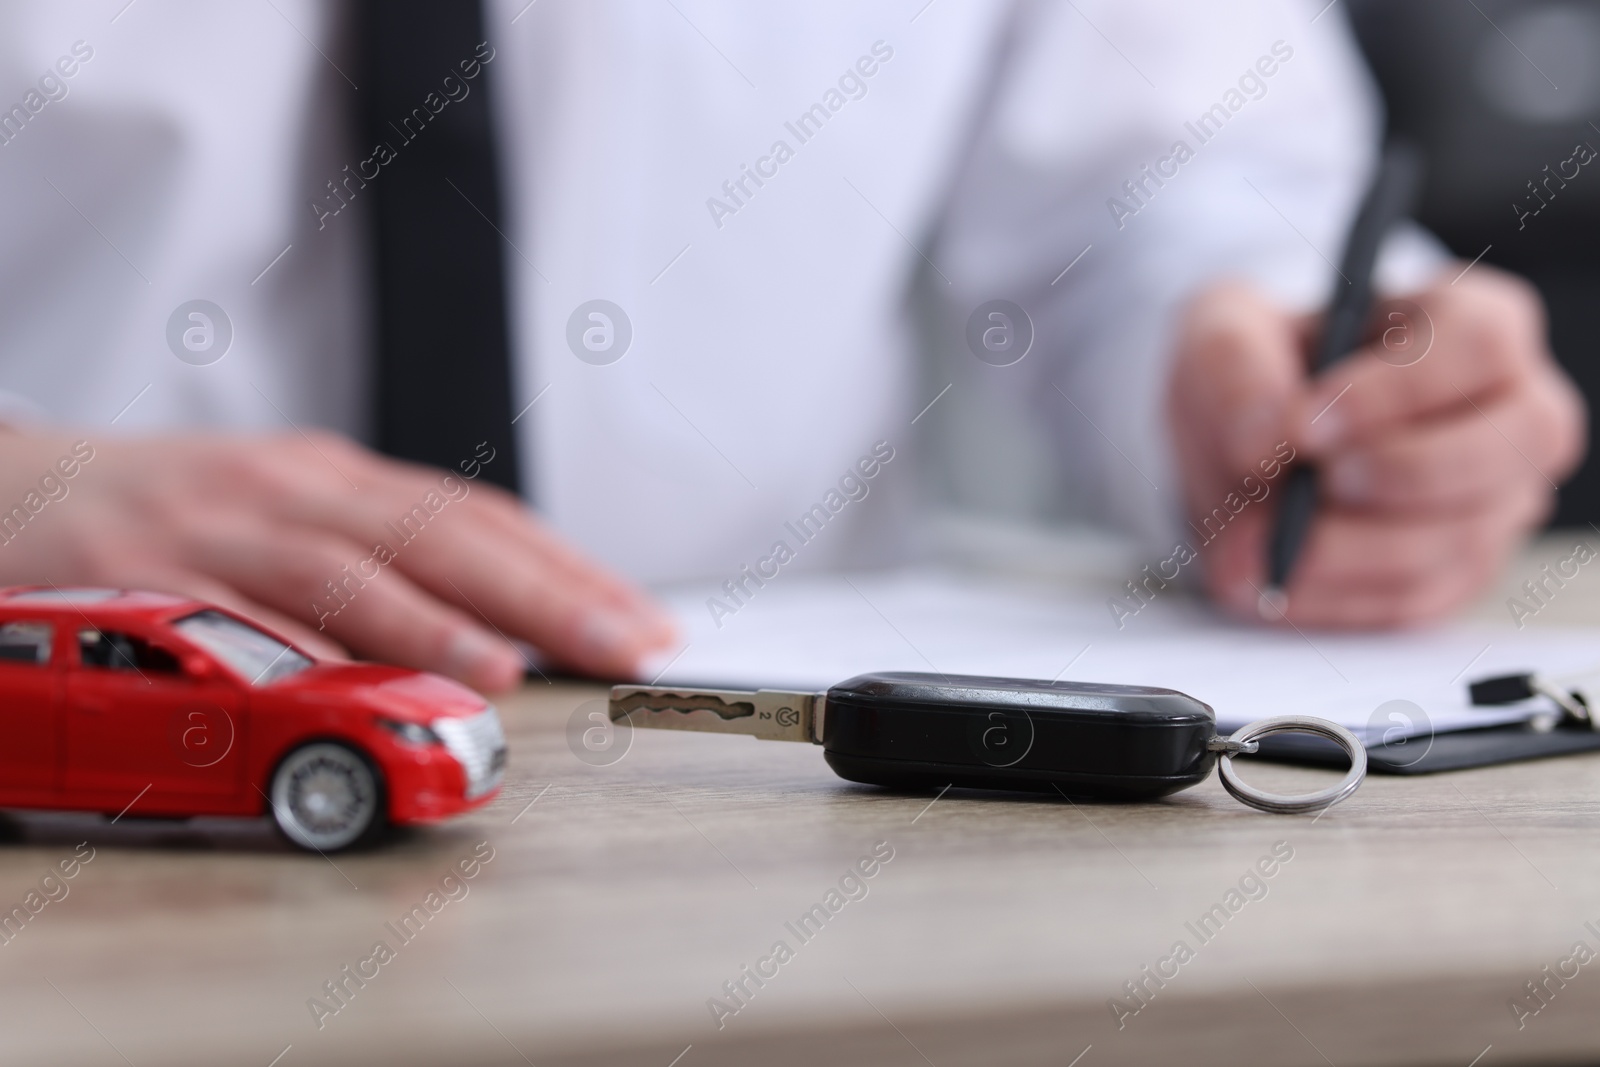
(769, 714)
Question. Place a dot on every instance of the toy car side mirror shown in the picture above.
(199, 668)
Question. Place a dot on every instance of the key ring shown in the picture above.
(1244, 740)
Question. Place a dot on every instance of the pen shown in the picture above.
(1388, 200)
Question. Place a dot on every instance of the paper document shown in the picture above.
(812, 631)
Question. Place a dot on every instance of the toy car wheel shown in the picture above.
(326, 797)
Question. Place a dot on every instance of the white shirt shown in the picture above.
(779, 329)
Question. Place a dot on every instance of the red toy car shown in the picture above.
(112, 700)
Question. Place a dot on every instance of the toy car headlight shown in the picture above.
(478, 742)
(414, 732)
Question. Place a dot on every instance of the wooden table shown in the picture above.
(620, 898)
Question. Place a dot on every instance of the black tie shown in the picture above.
(442, 376)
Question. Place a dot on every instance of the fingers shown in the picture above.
(1438, 449)
(1353, 549)
(200, 587)
(1368, 608)
(1479, 337)
(561, 609)
(1563, 429)
(316, 578)
(1239, 364)
(473, 547)
(465, 543)
(1374, 569)
(335, 546)
(1452, 464)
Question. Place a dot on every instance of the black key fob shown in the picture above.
(912, 731)
(932, 731)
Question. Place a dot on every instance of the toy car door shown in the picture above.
(136, 721)
(29, 756)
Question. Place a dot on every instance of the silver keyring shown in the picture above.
(1278, 803)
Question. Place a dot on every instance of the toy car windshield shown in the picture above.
(258, 656)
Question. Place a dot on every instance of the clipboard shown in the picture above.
(1454, 751)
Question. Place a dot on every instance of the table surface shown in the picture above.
(619, 899)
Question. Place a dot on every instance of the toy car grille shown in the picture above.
(479, 744)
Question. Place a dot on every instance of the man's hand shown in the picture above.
(328, 543)
(1431, 469)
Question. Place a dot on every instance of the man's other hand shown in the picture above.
(332, 545)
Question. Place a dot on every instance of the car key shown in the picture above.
(910, 730)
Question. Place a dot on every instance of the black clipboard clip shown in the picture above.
(1573, 695)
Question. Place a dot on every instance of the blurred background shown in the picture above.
(1496, 91)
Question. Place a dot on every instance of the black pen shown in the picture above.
(1388, 200)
